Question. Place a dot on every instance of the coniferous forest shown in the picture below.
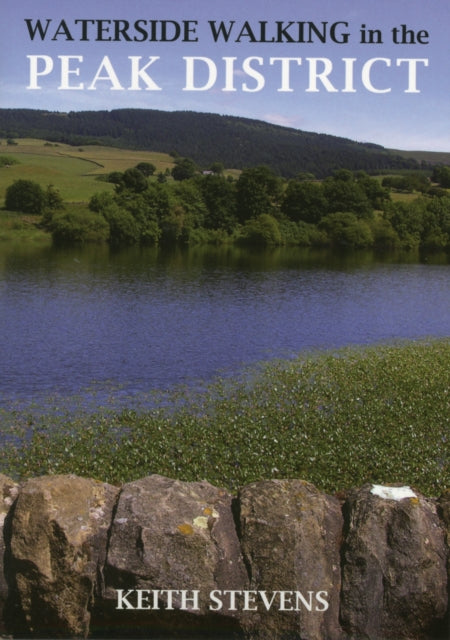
(205, 137)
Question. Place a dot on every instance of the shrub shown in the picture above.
(6, 161)
(78, 225)
(345, 230)
(263, 231)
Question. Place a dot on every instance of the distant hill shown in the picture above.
(206, 138)
(427, 157)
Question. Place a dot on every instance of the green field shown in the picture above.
(72, 170)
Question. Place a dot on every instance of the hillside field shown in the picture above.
(72, 170)
(76, 171)
(432, 157)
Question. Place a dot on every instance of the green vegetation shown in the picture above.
(99, 194)
(337, 419)
(74, 171)
(16, 228)
(237, 142)
(7, 161)
(345, 211)
(441, 175)
(26, 196)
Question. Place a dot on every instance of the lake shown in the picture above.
(143, 318)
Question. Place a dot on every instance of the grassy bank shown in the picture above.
(15, 227)
(337, 419)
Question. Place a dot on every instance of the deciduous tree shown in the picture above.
(25, 196)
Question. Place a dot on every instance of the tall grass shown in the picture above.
(336, 419)
(15, 227)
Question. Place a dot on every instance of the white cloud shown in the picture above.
(283, 120)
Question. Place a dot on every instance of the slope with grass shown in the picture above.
(74, 171)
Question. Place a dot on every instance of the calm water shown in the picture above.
(145, 319)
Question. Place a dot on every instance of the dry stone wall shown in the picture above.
(161, 558)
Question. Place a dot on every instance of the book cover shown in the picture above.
(224, 300)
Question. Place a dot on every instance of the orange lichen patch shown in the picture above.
(210, 512)
(185, 529)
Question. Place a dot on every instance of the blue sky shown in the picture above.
(413, 114)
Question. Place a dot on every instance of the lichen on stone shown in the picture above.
(185, 528)
(201, 522)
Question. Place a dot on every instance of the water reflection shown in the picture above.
(143, 318)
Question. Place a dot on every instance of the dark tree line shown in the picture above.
(238, 142)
